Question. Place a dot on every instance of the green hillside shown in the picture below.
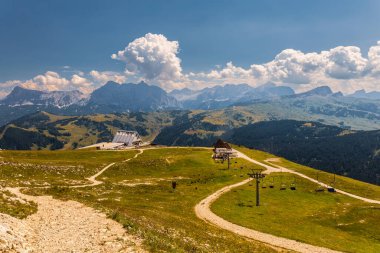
(354, 154)
(318, 218)
(184, 127)
(346, 152)
(47, 131)
(139, 195)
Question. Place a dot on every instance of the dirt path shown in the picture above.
(68, 226)
(325, 185)
(95, 182)
(203, 211)
(277, 168)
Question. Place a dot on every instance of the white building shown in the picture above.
(128, 138)
(122, 140)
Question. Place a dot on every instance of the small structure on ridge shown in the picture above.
(127, 138)
(123, 139)
(222, 150)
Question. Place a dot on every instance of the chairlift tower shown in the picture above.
(256, 174)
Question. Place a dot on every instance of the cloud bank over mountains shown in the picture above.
(342, 68)
(154, 59)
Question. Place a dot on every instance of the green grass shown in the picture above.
(164, 217)
(320, 218)
(39, 168)
(11, 205)
(253, 153)
(343, 183)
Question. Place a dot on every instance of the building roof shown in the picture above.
(127, 137)
(222, 144)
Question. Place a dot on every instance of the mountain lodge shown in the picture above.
(222, 150)
(128, 138)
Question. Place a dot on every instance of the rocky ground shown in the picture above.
(63, 226)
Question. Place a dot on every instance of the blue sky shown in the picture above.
(40, 36)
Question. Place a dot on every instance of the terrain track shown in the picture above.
(203, 211)
(69, 226)
(373, 201)
(95, 182)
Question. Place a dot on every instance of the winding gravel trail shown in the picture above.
(69, 226)
(95, 182)
(203, 211)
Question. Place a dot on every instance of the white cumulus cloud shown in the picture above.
(154, 58)
(50, 81)
(374, 59)
(102, 77)
(345, 63)
(343, 68)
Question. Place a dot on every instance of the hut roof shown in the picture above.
(222, 144)
(129, 138)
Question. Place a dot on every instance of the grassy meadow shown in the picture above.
(343, 183)
(11, 205)
(139, 195)
(44, 168)
(324, 219)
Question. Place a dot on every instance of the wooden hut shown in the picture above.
(222, 150)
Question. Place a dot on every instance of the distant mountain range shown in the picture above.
(318, 128)
(21, 96)
(223, 96)
(267, 102)
(110, 98)
(130, 97)
(367, 95)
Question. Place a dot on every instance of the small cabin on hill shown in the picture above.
(127, 138)
(222, 150)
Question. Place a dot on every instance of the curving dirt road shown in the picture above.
(203, 211)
